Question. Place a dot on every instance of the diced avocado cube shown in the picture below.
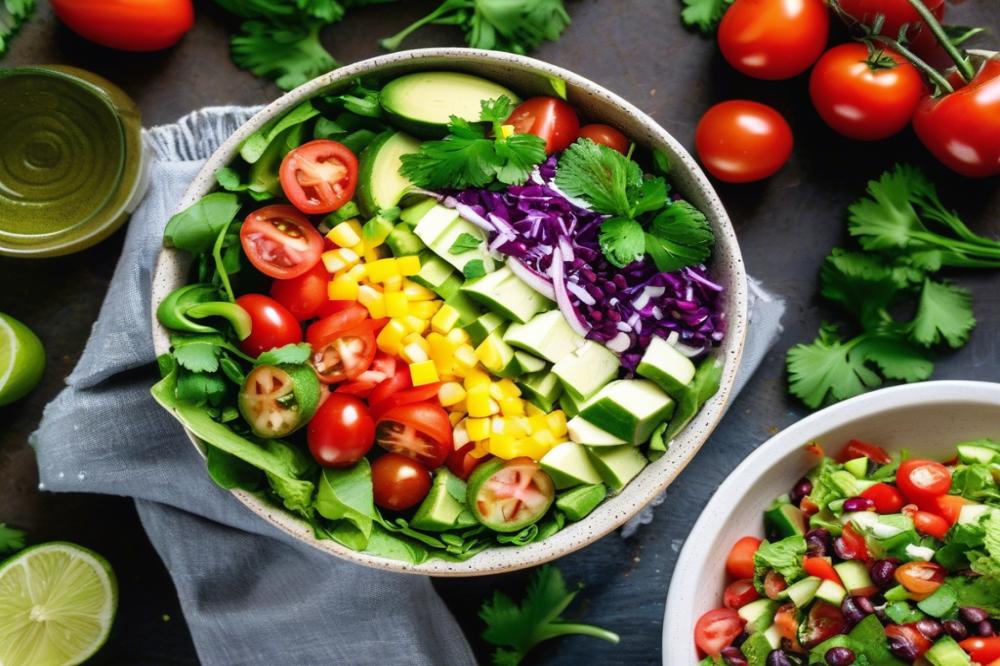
(617, 465)
(541, 389)
(941, 602)
(579, 502)
(784, 520)
(468, 311)
(508, 295)
(546, 335)
(440, 227)
(629, 408)
(568, 465)
(433, 273)
(946, 652)
(582, 431)
(443, 505)
(411, 215)
(858, 467)
(529, 363)
(831, 592)
(588, 369)
(403, 242)
(670, 369)
(804, 591)
(483, 326)
(854, 575)
(569, 404)
(759, 614)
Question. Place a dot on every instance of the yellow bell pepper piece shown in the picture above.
(417, 292)
(504, 446)
(445, 319)
(477, 377)
(339, 259)
(381, 269)
(423, 309)
(345, 235)
(459, 336)
(342, 288)
(373, 254)
(532, 449)
(394, 283)
(373, 299)
(509, 388)
(465, 359)
(390, 338)
(489, 354)
(557, 423)
(414, 354)
(532, 410)
(512, 406)
(538, 422)
(478, 429)
(451, 393)
(478, 400)
(357, 272)
(460, 407)
(423, 372)
(408, 265)
(396, 304)
(480, 450)
(415, 324)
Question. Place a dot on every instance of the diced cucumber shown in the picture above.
(773, 636)
(971, 453)
(784, 520)
(483, 326)
(804, 591)
(434, 273)
(440, 227)
(546, 335)
(411, 215)
(403, 242)
(569, 404)
(666, 366)
(629, 408)
(568, 465)
(579, 502)
(507, 295)
(617, 465)
(529, 363)
(858, 467)
(758, 614)
(831, 592)
(541, 389)
(588, 369)
(854, 575)
(468, 310)
(946, 652)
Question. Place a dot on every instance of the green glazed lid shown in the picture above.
(72, 160)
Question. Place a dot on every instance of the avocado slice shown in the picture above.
(468, 310)
(444, 504)
(946, 652)
(440, 227)
(582, 431)
(380, 185)
(414, 213)
(617, 465)
(666, 366)
(579, 502)
(423, 102)
(546, 335)
(588, 369)
(629, 408)
(569, 404)
(507, 295)
(784, 520)
(568, 465)
(541, 389)
(434, 273)
(483, 326)
(529, 363)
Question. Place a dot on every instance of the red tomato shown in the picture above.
(962, 129)
(462, 463)
(398, 482)
(921, 578)
(320, 176)
(887, 499)
(895, 14)
(821, 568)
(922, 480)
(928, 523)
(344, 354)
(739, 562)
(774, 584)
(739, 593)
(128, 25)
(333, 307)
(740, 141)
(808, 506)
(786, 619)
(982, 650)
(548, 117)
(406, 396)
(861, 100)
(280, 242)
(341, 432)
(853, 544)
(331, 325)
(908, 633)
(420, 430)
(824, 621)
(606, 136)
(305, 294)
(856, 448)
(272, 324)
(716, 630)
(388, 388)
(949, 507)
(773, 39)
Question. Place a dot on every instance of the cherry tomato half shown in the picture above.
(739, 593)
(341, 432)
(272, 325)
(786, 619)
(856, 449)
(420, 430)
(982, 650)
(128, 25)
(716, 630)
(406, 396)
(739, 562)
(908, 633)
(606, 136)
(304, 295)
(887, 499)
(921, 578)
(821, 568)
(280, 242)
(548, 117)
(824, 621)
(861, 99)
(320, 176)
(773, 39)
(462, 463)
(740, 141)
(399, 482)
(930, 524)
(329, 326)
(345, 354)
(774, 584)
(922, 480)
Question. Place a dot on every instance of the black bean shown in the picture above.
(973, 615)
(859, 504)
(733, 656)
(955, 629)
(903, 648)
(839, 656)
(984, 629)
(929, 628)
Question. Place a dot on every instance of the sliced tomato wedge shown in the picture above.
(738, 593)
(345, 355)
(856, 448)
(716, 630)
(824, 621)
(462, 463)
(320, 176)
(331, 325)
(921, 579)
(383, 367)
(853, 545)
(280, 242)
(949, 507)
(420, 430)
(507, 496)
(821, 568)
(786, 619)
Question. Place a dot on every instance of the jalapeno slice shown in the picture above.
(277, 400)
(509, 495)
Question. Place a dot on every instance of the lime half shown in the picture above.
(22, 359)
(57, 603)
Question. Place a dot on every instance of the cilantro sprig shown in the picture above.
(13, 14)
(906, 236)
(516, 629)
(469, 157)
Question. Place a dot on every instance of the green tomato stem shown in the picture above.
(394, 42)
(964, 65)
(935, 76)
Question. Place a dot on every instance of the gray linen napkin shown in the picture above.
(250, 593)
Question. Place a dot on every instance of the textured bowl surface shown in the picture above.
(928, 419)
(527, 77)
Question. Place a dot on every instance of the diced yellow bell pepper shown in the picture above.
(557, 423)
(342, 288)
(458, 336)
(394, 283)
(359, 249)
(465, 359)
(504, 446)
(476, 378)
(460, 407)
(489, 354)
(459, 435)
(390, 338)
(357, 272)
(532, 449)
(414, 354)
(373, 254)
(455, 418)
(416, 324)
(480, 450)
(445, 319)
(417, 339)
(373, 299)
(417, 292)
(532, 410)
(396, 304)
(544, 438)
(538, 422)
(381, 269)
(408, 265)
(478, 400)
(424, 309)
(498, 426)
(345, 235)
(509, 388)
(495, 391)
(451, 393)
(478, 429)
(339, 259)
(512, 406)
(423, 372)
(441, 350)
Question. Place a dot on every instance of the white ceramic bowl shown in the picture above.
(928, 419)
(527, 77)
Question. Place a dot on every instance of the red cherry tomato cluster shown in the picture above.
(557, 123)
(864, 91)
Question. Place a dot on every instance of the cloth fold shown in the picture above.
(250, 593)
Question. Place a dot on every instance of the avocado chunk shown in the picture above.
(507, 295)
(414, 213)
(784, 520)
(423, 102)
(858, 467)
(468, 310)
(444, 504)
(855, 576)
(831, 592)
(666, 366)
(569, 404)
(579, 502)
(804, 591)
(582, 431)
(541, 389)
(946, 652)
(629, 408)
(588, 369)
(529, 363)
(434, 273)
(440, 227)
(759, 614)
(483, 326)
(403, 242)
(380, 185)
(617, 465)
(568, 465)
(546, 335)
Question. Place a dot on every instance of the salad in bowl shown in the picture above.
(426, 317)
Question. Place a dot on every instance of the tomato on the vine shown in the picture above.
(741, 141)
(549, 118)
(420, 430)
(606, 136)
(895, 14)
(272, 325)
(341, 432)
(320, 176)
(399, 482)
(773, 39)
(280, 242)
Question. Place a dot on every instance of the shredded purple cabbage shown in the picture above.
(620, 307)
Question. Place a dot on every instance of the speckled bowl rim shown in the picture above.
(655, 478)
(685, 587)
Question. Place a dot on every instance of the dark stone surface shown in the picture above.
(636, 48)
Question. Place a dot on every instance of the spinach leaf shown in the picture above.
(346, 495)
(196, 228)
(256, 144)
(230, 472)
(297, 493)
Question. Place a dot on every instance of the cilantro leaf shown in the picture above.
(895, 357)
(198, 356)
(704, 14)
(11, 539)
(827, 370)
(600, 175)
(13, 14)
(784, 557)
(860, 283)
(516, 629)
(295, 354)
(289, 53)
(944, 313)
(622, 241)
(679, 236)
(474, 269)
(464, 243)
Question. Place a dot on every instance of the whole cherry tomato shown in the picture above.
(962, 128)
(305, 295)
(128, 25)
(887, 499)
(923, 480)
(606, 136)
(320, 176)
(272, 324)
(982, 650)
(773, 39)
(740, 141)
(548, 117)
(398, 482)
(865, 96)
(739, 562)
(341, 432)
